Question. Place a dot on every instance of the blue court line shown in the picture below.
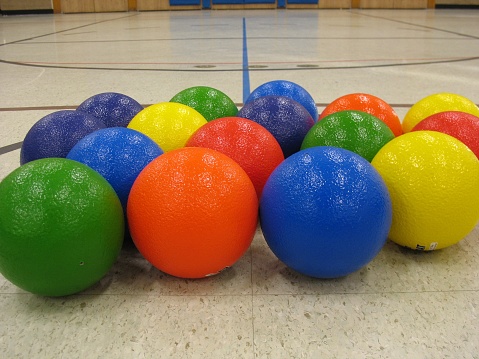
(246, 87)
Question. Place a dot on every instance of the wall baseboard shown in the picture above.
(26, 12)
(453, 6)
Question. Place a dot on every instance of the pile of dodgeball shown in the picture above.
(189, 180)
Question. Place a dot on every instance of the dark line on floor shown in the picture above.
(418, 25)
(250, 38)
(240, 69)
(37, 108)
(73, 107)
(61, 31)
(10, 148)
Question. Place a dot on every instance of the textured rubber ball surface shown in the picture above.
(367, 103)
(287, 89)
(325, 212)
(356, 131)
(55, 134)
(251, 145)
(208, 101)
(61, 227)
(433, 181)
(286, 119)
(461, 125)
(192, 212)
(114, 109)
(119, 154)
(436, 103)
(169, 124)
